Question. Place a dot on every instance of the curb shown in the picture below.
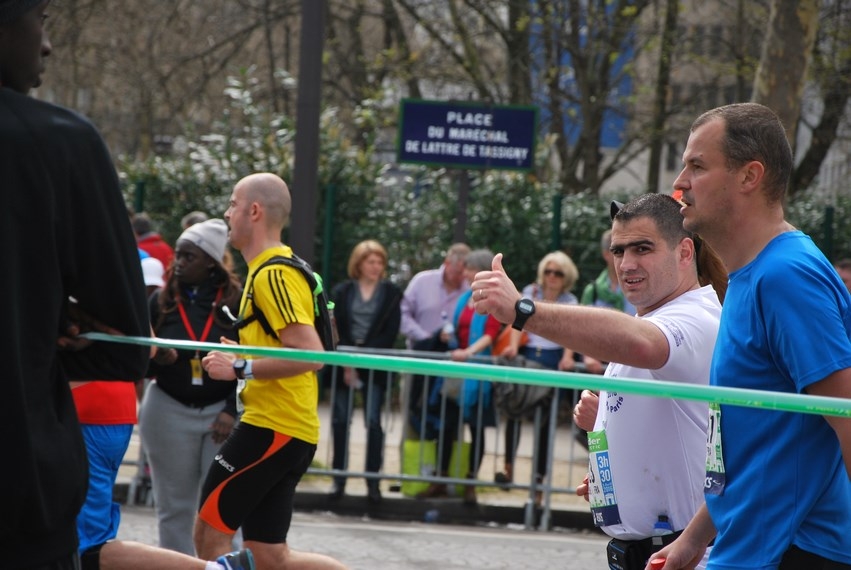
(395, 507)
(444, 511)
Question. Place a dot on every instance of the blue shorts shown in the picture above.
(99, 517)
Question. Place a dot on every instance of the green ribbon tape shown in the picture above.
(762, 399)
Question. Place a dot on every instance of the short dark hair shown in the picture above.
(754, 132)
(142, 224)
(662, 209)
(11, 10)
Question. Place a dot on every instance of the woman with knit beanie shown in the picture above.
(186, 416)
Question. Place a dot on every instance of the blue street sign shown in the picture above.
(467, 135)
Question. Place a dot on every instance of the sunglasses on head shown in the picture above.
(556, 272)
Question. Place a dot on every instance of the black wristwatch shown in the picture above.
(239, 368)
(523, 309)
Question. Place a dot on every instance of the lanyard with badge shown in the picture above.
(195, 362)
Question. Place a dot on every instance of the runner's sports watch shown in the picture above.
(523, 309)
(239, 368)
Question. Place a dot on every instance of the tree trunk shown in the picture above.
(831, 71)
(657, 136)
(396, 33)
(824, 134)
(779, 81)
(519, 55)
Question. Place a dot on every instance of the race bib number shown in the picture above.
(715, 476)
(601, 486)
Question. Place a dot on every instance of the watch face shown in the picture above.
(239, 363)
(526, 306)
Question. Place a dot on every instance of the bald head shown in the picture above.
(272, 193)
(259, 210)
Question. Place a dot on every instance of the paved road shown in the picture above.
(363, 544)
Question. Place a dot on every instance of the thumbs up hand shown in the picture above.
(494, 293)
(496, 264)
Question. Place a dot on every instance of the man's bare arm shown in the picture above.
(837, 385)
(219, 365)
(604, 334)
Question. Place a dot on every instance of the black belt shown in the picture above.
(634, 554)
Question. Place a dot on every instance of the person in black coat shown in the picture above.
(368, 315)
(72, 267)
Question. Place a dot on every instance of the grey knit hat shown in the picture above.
(11, 10)
(211, 236)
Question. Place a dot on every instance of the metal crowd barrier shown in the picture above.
(412, 407)
(766, 400)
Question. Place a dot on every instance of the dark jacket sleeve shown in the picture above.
(385, 327)
(66, 233)
(341, 297)
(100, 261)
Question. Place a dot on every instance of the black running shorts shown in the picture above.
(252, 482)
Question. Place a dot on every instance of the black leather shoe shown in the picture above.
(373, 494)
(504, 480)
(336, 494)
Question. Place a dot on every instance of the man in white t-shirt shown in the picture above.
(647, 455)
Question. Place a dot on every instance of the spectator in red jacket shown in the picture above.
(150, 241)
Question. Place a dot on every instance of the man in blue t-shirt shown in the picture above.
(779, 494)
